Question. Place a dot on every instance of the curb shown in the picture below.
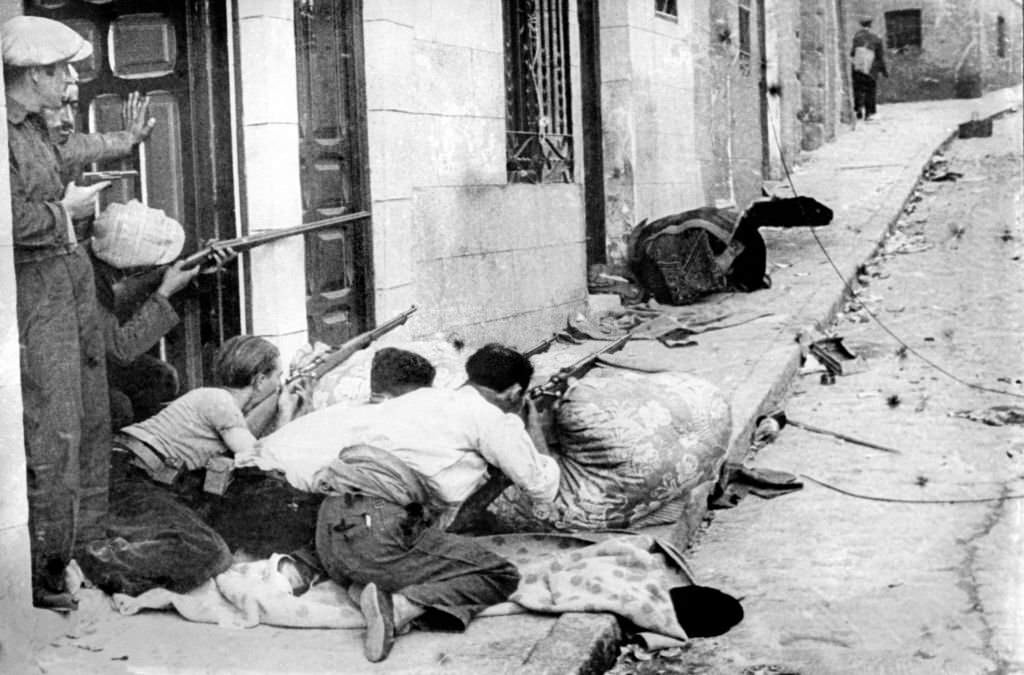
(739, 445)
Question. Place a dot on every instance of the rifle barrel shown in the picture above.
(247, 242)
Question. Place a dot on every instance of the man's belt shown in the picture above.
(161, 469)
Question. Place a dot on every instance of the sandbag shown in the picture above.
(631, 447)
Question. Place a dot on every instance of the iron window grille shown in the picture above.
(537, 92)
(903, 28)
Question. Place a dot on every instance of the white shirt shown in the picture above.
(448, 436)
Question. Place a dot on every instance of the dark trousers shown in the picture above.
(262, 514)
(66, 417)
(365, 539)
(154, 535)
(864, 90)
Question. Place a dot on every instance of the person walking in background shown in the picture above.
(868, 55)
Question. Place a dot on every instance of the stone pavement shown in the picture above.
(866, 176)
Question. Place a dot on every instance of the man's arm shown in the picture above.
(81, 149)
(506, 445)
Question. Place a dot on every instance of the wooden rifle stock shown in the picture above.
(328, 361)
(556, 385)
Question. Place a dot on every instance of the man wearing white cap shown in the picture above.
(63, 374)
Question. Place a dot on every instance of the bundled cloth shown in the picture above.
(633, 449)
(135, 235)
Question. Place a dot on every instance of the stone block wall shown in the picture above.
(15, 566)
(821, 77)
(958, 53)
(269, 167)
(484, 259)
(652, 166)
(728, 105)
(785, 100)
(1005, 69)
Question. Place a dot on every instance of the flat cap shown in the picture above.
(35, 41)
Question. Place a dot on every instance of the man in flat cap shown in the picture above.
(868, 55)
(63, 373)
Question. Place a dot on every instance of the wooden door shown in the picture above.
(333, 173)
(175, 52)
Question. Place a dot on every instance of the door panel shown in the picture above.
(332, 156)
(171, 51)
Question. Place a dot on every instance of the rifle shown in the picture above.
(541, 347)
(247, 242)
(331, 359)
(261, 413)
(556, 385)
(132, 289)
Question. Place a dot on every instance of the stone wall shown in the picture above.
(15, 566)
(785, 99)
(652, 165)
(958, 53)
(821, 78)
(730, 140)
(484, 259)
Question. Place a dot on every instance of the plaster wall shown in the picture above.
(651, 158)
(958, 52)
(730, 145)
(15, 561)
(269, 167)
(782, 46)
(483, 259)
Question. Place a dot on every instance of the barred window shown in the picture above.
(666, 8)
(903, 28)
(537, 91)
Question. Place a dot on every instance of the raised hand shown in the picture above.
(135, 121)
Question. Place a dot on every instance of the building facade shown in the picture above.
(471, 157)
(945, 48)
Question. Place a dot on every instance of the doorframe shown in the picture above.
(588, 18)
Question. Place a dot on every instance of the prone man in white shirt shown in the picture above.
(392, 493)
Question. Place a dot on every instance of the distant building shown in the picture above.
(945, 48)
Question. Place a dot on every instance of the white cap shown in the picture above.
(35, 41)
(134, 235)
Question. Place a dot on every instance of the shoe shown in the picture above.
(379, 613)
(62, 602)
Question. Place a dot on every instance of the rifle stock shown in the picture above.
(556, 385)
(328, 361)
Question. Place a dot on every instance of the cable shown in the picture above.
(874, 317)
(900, 500)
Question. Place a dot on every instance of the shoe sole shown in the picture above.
(380, 623)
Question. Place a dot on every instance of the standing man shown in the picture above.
(868, 54)
(63, 373)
